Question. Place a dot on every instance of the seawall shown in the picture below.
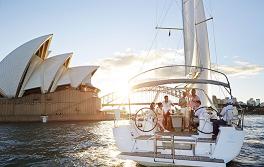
(64, 105)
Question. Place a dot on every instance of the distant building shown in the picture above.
(241, 103)
(257, 102)
(251, 102)
(217, 101)
(262, 104)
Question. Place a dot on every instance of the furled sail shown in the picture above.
(188, 31)
(196, 46)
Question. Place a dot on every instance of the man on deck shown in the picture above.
(166, 112)
(226, 114)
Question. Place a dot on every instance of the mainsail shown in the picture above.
(196, 46)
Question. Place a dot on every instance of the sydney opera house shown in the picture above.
(34, 84)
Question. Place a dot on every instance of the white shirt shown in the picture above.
(227, 112)
(167, 106)
(200, 113)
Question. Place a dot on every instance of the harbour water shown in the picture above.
(92, 144)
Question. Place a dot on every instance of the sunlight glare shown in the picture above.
(123, 89)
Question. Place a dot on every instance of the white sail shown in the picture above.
(188, 31)
(196, 45)
(203, 52)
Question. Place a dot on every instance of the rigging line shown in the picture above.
(162, 11)
(220, 88)
(215, 48)
(157, 12)
(179, 42)
(155, 37)
(168, 8)
(207, 10)
(149, 49)
(210, 11)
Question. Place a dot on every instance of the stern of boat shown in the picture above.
(229, 143)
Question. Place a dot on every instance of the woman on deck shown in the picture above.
(184, 109)
(159, 113)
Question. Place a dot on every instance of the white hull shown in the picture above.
(147, 161)
(225, 148)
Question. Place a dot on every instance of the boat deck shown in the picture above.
(186, 134)
(206, 140)
(151, 137)
(176, 157)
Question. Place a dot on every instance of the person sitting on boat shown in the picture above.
(194, 99)
(166, 112)
(227, 116)
(152, 110)
(184, 110)
(199, 114)
(159, 113)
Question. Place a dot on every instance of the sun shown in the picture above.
(123, 89)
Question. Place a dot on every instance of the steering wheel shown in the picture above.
(146, 119)
(210, 113)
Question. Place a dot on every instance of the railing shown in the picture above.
(111, 99)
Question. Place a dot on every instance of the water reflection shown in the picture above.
(92, 144)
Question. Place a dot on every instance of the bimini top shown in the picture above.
(175, 74)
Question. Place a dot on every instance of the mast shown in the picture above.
(183, 31)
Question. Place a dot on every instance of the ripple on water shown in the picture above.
(92, 144)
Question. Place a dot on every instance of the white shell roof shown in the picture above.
(14, 65)
(27, 68)
(76, 76)
(46, 72)
(35, 62)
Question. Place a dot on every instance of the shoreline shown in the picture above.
(254, 111)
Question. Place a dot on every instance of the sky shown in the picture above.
(120, 36)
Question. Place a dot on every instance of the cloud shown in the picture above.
(142, 59)
(242, 69)
(135, 62)
(242, 63)
(117, 70)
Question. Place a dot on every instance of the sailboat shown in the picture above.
(140, 140)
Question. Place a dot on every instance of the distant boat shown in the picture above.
(44, 118)
(139, 140)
